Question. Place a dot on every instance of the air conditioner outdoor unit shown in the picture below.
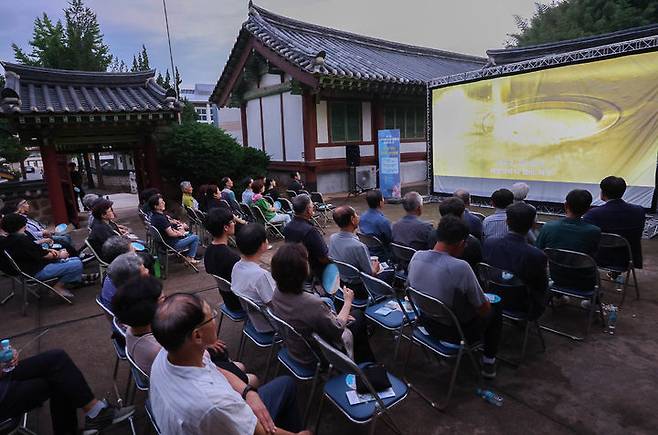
(366, 177)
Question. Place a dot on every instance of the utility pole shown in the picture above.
(171, 56)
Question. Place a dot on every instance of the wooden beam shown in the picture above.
(267, 91)
(285, 65)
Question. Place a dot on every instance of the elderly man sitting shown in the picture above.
(187, 199)
(190, 396)
(124, 267)
(410, 230)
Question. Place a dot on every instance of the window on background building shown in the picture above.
(410, 119)
(345, 121)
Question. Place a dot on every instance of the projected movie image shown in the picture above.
(574, 124)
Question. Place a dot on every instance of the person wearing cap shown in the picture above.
(43, 264)
(101, 230)
(39, 233)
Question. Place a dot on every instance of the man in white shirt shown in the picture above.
(190, 395)
(250, 280)
(495, 225)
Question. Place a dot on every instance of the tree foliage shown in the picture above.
(570, 19)
(76, 45)
(202, 154)
(141, 61)
(188, 114)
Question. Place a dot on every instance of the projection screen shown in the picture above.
(556, 129)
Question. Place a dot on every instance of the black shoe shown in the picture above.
(90, 278)
(488, 370)
(108, 416)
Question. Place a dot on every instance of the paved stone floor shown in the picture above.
(607, 384)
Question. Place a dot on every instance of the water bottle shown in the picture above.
(6, 356)
(156, 267)
(612, 319)
(490, 397)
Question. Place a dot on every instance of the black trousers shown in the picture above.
(49, 375)
(362, 351)
(486, 329)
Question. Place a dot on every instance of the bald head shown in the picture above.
(344, 216)
(176, 318)
(412, 203)
(464, 195)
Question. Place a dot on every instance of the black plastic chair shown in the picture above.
(402, 256)
(335, 389)
(508, 286)
(372, 243)
(102, 265)
(617, 247)
(263, 340)
(574, 274)
(426, 306)
(235, 316)
(345, 269)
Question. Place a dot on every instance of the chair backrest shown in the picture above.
(225, 203)
(286, 331)
(291, 193)
(142, 380)
(247, 211)
(317, 198)
(346, 269)
(222, 284)
(106, 310)
(191, 215)
(617, 247)
(93, 251)
(402, 253)
(269, 199)
(341, 362)
(513, 291)
(157, 237)
(10, 268)
(258, 214)
(250, 306)
(371, 242)
(377, 288)
(14, 265)
(286, 205)
(303, 192)
(426, 306)
(571, 269)
(477, 215)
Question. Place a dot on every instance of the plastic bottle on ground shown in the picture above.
(490, 397)
(6, 356)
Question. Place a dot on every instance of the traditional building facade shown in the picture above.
(305, 92)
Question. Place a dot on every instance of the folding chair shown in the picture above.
(402, 256)
(574, 274)
(374, 245)
(235, 316)
(163, 248)
(300, 371)
(269, 199)
(344, 270)
(508, 286)
(118, 339)
(477, 215)
(193, 219)
(336, 388)
(30, 283)
(324, 209)
(291, 193)
(237, 210)
(15, 426)
(102, 265)
(149, 412)
(396, 316)
(142, 383)
(261, 339)
(436, 310)
(286, 205)
(246, 210)
(620, 249)
(274, 229)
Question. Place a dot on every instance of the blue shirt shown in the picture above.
(374, 223)
(247, 195)
(107, 292)
(495, 225)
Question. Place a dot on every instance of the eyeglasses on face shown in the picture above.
(213, 316)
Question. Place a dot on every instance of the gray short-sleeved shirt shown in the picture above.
(449, 280)
(346, 247)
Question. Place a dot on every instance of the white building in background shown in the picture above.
(198, 95)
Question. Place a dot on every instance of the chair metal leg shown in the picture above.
(311, 395)
(540, 335)
(269, 361)
(241, 346)
(637, 286)
(219, 324)
(453, 378)
(317, 422)
(525, 342)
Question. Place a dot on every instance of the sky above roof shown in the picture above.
(203, 31)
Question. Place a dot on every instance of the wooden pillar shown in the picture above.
(151, 162)
(51, 174)
(99, 171)
(90, 177)
(310, 120)
(243, 121)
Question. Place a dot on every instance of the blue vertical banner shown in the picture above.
(389, 163)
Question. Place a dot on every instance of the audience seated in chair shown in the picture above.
(374, 223)
(618, 217)
(438, 273)
(219, 258)
(40, 234)
(190, 396)
(512, 253)
(301, 230)
(174, 234)
(227, 189)
(212, 198)
(410, 230)
(474, 223)
(572, 232)
(247, 193)
(269, 212)
(187, 200)
(43, 264)
(144, 197)
(248, 278)
(101, 229)
(495, 225)
(473, 249)
(309, 313)
(270, 188)
(120, 270)
(135, 304)
(53, 376)
(345, 246)
(295, 183)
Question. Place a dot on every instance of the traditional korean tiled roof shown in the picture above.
(347, 55)
(58, 92)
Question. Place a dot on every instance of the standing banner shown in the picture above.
(389, 163)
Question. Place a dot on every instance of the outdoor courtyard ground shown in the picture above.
(607, 384)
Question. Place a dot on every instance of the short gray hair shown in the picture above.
(185, 185)
(113, 247)
(124, 267)
(300, 202)
(412, 201)
(520, 191)
(464, 195)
